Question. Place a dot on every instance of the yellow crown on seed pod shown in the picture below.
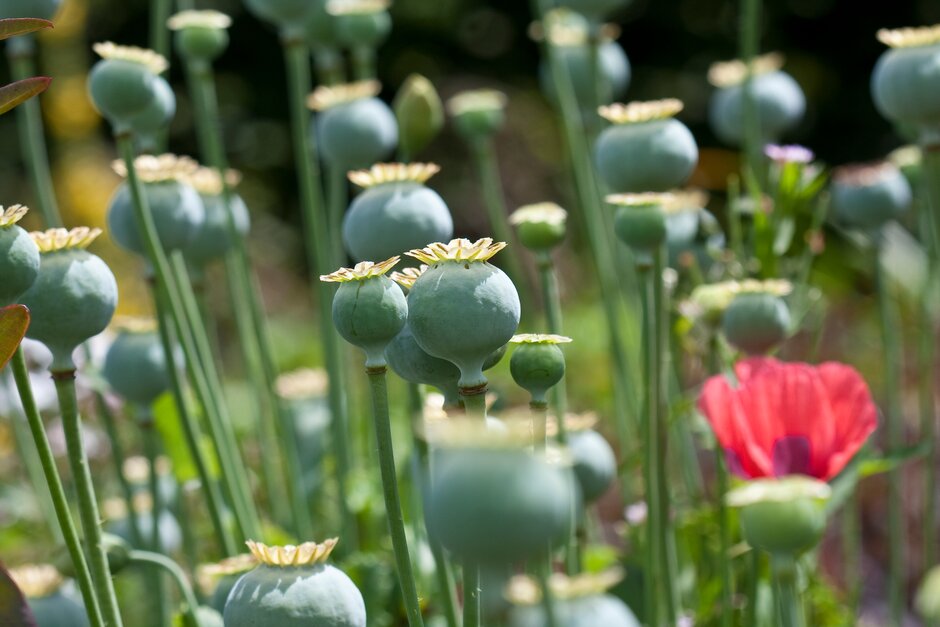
(158, 168)
(393, 173)
(909, 37)
(407, 277)
(199, 19)
(134, 324)
(460, 249)
(208, 182)
(208, 575)
(12, 214)
(735, 72)
(328, 96)
(542, 212)
(573, 423)
(539, 338)
(361, 271)
(639, 112)
(53, 240)
(476, 100)
(37, 580)
(357, 7)
(524, 590)
(290, 555)
(154, 61)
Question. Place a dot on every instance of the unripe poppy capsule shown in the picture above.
(354, 128)
(19, 256)
(361, 23)
(43, 9)
(540, 227)
(478, 114)
(756, 322)
(159, 113)
(216, 580)
(201, 36)
(595, 464)
(640, 222)
(537, 363)
(136, 366)
(215, 238)
(123, 83)
(48, 600)
(905, 84)
(866, 197)
(580, 601)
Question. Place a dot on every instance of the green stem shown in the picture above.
(851, 551)
(539, 412)
(337, 192)
(378, 386)
(159, 33)
(319, 253)
(87, 505)
(329, 66)
(724, 539)
(749, 44)
(363, 62)
(22, 55)
(151, 451)
(471, 594)
(176, 573)
(474, 402)
(548, 597)
(117, 453)
(553, 314)
(789, 604)
(56, 490)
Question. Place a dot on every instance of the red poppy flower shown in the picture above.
(789, 418)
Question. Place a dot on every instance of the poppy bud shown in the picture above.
(865, 197)
(580, 601)
(420, 115)
(158, 114)
(540, 227)
(19, 256)
(537, 364)
(201, 36)
(756, 322)
(214, 238)
(478, 114)
(640, 222)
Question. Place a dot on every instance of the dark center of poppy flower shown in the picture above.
(791, 456)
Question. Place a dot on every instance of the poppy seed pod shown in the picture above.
(646, 149)
(42, 585)
(73, 297)
(201, 36)
(43, 9)
(214, 238)
(216, 580)
(693, 231)
(905, 84)
(580, 601)
(354, 128)
(640, 222)
(540, 227)
(756, 322)
(369, 309)
(136, 366)
(19, 256)
(537, 363)
(285, 14)
(178, 212)
(124, 82)
(396, 212)
(478, 114)
(463, 308)
(708, 302)
(293, 586)
(778, 98)
(361, 23)
(420, 114)
(866, 197)
(594, 462)
(156, 117)
(410, 362)
(784, 516)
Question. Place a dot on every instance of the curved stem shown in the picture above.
(173, 569)
(56, 490)
(87, 505)
(378, 386)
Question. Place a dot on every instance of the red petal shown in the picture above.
(854, 414)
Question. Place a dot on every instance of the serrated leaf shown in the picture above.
(19, 92)
(14, 612)
(14, 320)
(13, 26)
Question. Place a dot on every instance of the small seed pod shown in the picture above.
(756, 322)
(285, 14)
(646, 149)
(201, 36)
(369, 309)
(156, 117)
(463, 308)
(784, 516)
(537, 364)
(178, 212)
(905, 84)
(709, 302)
(478, 114)
(48, 600)
(493, 501)
(866, 197)
(540, 227)
(410, 362)
(595, 464)
(778, 98)
(19, 256)
(43, 9)
(73, 297)
(124, 83)
(361, 23)
(420, 114)
(119, 523)
(580, 601)
(696, 233)
(640, 222)
(214, 238)
(293, 586)
(594, 10)
(216, 580)
(354, 128)
(135, 366)
(396, 212)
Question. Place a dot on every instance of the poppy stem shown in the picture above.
(158, 560)
(789, 604)
(151, 451)
(471, 594)
(715, 367)
(851, 550)
(548, 281)
(748, 49)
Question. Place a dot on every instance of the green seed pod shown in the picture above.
(709, 302)
(124, 83)
(396, 212)
(646, 149)
(537, 364)
(216, 580)
(410, 362)
(756, 322)
(478, 114)
(369, 309)
(595, 465)
(214, 238)
(19, 256)
(463, 308)
(43, 9)
(494, 502)
(640, 222)
(285, 14)
(905, 84)
(178, 212)
(594, 9)
(354, 128)
(361, 23)
(420, 114)
(48, 599)
(135, 366)
(159, 113)
(294, 587)
(73, 297)
(785, 516)
(779, 99)
(601, 609)
(201, 36)
(540, 227)
(866, 197)
(693, 231)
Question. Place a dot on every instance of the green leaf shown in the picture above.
(892, 459)
(13, 323)
(14, 612)
(170, 426)
(19, 92)
(13, 26)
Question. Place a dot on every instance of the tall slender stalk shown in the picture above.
(56, 490)
(163, 562)
(548, 597)
(87, 505)
(471, 594)
(748, 48)
(159, 33)
(549, 284)
(151, 451)
(117, 454)
(378, 386)
(474, 403)
(789, 606)
(851, 552)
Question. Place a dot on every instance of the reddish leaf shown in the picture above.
(14, 612)
(19, 92)
(13, 323)
(13, 26)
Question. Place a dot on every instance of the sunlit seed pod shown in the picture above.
(48, 597)
(540, 227)
(135, 365)
(868, 196)
(645, 149)
(285, 14)
(420, 114)
(124, 83)
(594, 463)
(200, 36)
(413, 364)
(640, 222)
(19, 256)
(905, 83)
(395, 213)
(354, 128)
(74, 295)
(537, 363)
(294, 587)
(321, 27)
(478, 114)
(159, 113)
(756, 322)
(43, 9)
